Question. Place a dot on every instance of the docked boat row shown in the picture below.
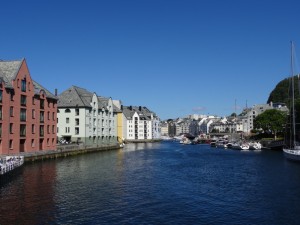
(9, 163)
(241, 145)
(222, 142)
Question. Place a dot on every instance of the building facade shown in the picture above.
(139, 124)
(84, 117)
(27, 111)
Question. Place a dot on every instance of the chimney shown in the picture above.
(130, 107)
(140, 108)
(55, 92)
(121, 107)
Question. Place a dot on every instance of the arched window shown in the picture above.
(67, 111)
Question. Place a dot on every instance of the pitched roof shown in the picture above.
(102, 102)
(143, 112)
(9, 71)
(38, 88)
(75, 97)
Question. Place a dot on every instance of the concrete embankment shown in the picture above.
(142, 141)
(64, 151)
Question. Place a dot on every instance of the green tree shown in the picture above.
(270, 120)
(233, 115)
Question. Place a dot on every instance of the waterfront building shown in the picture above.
(172, 128)
(248, 115)
(117, 109)
(164, 128)
(84, 117)
(194, 128)
(27, 111)
(140, 124)
(184, 126)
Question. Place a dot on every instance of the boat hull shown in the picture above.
(292, 154)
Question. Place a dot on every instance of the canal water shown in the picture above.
(155, 183)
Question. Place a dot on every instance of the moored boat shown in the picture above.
(240, 146)
(9, 163)
(255, 146)
(292, 148)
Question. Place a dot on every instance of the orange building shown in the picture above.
(28, 111)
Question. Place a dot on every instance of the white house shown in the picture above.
(85, 117)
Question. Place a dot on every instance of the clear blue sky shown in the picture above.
(175, 57)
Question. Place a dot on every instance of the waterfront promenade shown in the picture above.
(65, 150)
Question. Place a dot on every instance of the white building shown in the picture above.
(85, 117)
(139, 123)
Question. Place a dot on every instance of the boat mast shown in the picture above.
(293, 94)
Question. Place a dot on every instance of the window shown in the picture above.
(42, 104)
(77, 122)
(23, 115)
(76, 130)
(76, 112)
(48, 129)
(33, 101)
(0, 95)
(67, 120)
(42, 117)
(53, 129)
(0, 129)
(53, 116)
(67, 129)
(42, 131)
(12, 94)
(23, 85)
(10, 128)
(0, 112)
(32, 143)
(32, 128)
(48, 115)
(23, 100)
(33, 114)
(22, 130)
(10, 144)
(67, 111)
(11, 111)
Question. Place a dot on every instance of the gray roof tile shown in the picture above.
(75, 97)
(9, 70)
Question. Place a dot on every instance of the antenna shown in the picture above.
(235, 107)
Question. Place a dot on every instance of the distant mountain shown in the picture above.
(281, 91)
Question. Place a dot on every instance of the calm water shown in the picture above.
(160, 183)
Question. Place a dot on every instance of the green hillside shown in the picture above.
(281, 91)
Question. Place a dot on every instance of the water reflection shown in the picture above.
(28, 198)
(155, 183)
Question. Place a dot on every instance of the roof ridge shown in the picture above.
(78, 94)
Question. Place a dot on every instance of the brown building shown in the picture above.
(28, 111)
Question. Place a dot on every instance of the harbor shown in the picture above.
(155, 183)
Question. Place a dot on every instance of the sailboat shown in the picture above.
(292, 148)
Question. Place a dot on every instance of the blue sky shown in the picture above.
(175, 57)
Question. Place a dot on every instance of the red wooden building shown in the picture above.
(28, 111)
